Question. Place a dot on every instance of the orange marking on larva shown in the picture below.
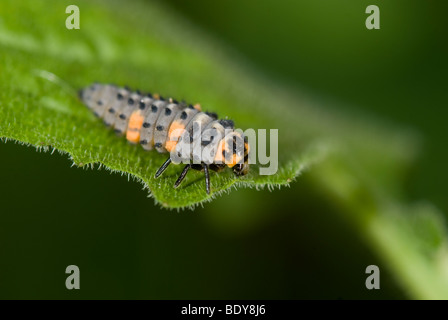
(134, 126)
(133, 136)
(197, 106)
(156, 96)
(235, 160)
(175, 131)
(219, 158)
(247, 148)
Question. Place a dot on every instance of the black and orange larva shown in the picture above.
(155, 123)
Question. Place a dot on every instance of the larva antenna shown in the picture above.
(49, 76)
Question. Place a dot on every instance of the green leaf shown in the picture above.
(358, 162)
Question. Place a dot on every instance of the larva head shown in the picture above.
(241, 169)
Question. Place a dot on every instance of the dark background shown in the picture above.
(283, 244)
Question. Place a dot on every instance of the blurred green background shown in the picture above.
(285, 244)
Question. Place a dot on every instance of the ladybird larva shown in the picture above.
(167, 125)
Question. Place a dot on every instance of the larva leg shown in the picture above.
(163, 168)
(207, 178)
(182, 175)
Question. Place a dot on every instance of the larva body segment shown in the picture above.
(168, 126)
(147, 132)
(115, 107)
(137, 119)
(193, 135)
(163, 125)
(122, 117)
(213, 134)
(105, 98)
(178, 125)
